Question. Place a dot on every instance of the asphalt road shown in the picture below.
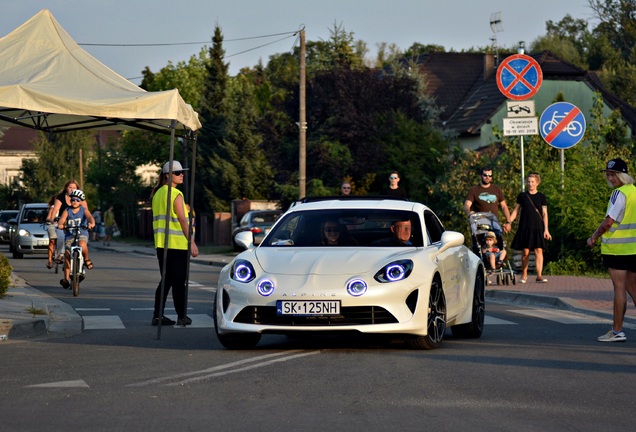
(533, 369)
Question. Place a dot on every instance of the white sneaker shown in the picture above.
(612, 336)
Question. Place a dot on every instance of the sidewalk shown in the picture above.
(29, 313)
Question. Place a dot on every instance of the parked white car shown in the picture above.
(366, 282)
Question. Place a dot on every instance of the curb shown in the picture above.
(563, 303)
(58, 320)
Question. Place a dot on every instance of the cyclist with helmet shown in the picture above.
(76, 215)
(61, 202)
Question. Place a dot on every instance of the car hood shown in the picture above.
(304, 261)
(33, 227)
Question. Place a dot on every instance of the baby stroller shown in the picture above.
(480, 225)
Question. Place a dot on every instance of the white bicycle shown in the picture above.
(77, 267)
(574, 128)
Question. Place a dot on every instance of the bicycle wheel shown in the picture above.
(75, 274)
(56, 261)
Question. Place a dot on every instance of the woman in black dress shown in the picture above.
(533, 227)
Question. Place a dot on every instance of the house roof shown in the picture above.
(465, 87)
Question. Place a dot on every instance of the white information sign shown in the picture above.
(521, 126)
(520, 108)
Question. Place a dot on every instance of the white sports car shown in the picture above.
(341, 264)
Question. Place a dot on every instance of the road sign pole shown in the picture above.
(523, 175)
(562, 169)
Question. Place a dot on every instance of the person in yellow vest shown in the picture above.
(618, 243)
(177, 252)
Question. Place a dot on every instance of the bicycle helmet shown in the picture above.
(78, 194)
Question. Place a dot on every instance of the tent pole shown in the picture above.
(190, 221)
(173, 125)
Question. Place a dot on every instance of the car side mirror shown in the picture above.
(12, 221)
(450, 239)
(245, 239)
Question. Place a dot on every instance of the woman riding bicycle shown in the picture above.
(61, 202)
(75, 216)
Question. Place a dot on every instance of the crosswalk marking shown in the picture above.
(560, 316)
(198, 321)
(102, 322)
(488, 320)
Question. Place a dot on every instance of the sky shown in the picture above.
(183, 27)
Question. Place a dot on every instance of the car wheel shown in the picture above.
(234, 340)
(475, 327)
(436, 321)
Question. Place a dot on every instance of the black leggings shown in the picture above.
(176, 267)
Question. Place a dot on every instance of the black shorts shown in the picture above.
(620, 262)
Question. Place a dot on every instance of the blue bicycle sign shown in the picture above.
(562, 125)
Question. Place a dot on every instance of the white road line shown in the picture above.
(92, 309)
(62, 384)
(200, 378)
(488, 320)
(102, 322)
(216, 368)
(198, 321)
(560, 316)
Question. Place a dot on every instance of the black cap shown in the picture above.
(616, 165)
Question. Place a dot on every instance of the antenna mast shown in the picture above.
(496, 25)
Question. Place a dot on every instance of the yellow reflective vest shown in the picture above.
(620, 239)
(176, 239)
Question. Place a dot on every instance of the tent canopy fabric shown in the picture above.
(48, 82)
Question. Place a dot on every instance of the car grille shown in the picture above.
(352, 315)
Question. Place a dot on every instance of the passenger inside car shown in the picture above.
(335, 234)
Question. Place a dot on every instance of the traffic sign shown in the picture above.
(562, 125)
(520, 109)
(519, 77)
(520, 126)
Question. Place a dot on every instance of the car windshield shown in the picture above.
(6, 216)
(264, 218)
(34, 215)
(345, 227)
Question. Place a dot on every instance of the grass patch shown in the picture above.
(35, 311)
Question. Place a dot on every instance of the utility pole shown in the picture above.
(81, 170)
(302, 123)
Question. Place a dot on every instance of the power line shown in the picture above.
(288, 35)
(189, 43)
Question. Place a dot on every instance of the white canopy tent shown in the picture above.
(49, 83)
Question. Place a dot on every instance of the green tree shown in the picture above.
(58, 160)
(238, 167)
(213, 134)
(118, 185)
(618, 24)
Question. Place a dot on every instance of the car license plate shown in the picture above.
(43, 242)
(308, 307)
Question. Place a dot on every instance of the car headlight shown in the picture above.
(356, 287)
(243, 271)
(265, 287)
(395, 271)
(23, 233)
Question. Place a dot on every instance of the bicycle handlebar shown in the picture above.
(75, 228)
